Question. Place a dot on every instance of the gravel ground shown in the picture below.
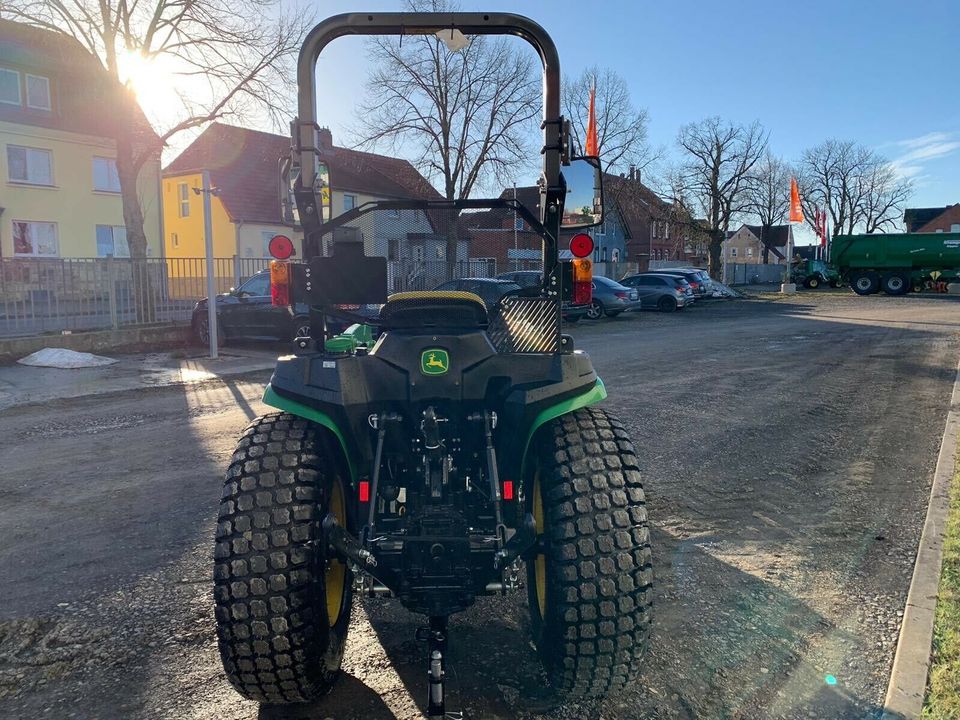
(787, 447)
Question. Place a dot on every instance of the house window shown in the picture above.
(615, 255)
(733, 252)
(183, 195)
(30, 165)
(439, 252)
(666, 230)
(749, 252)
(112, 240)
(174, 240)
(9, 86)
(105, 176)
(955, 227)
(38, 92)
(602, 230)
(37, 239)
(349, 202)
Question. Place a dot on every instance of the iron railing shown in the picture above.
(40, 295)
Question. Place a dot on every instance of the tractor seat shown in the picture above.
(434, 309)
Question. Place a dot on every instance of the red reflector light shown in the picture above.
(582, 293)
(364, 491)
(508, 489)
(280, 247)
(280, 295)
(581, 245)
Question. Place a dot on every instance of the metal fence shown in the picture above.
(53, 295)
(752, 274)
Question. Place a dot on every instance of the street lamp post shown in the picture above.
(207, 191)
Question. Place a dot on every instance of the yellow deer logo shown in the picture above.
(434, 362)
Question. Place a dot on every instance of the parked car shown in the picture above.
(490, 290)
(698, 279)
(610, 298)
(247, 312)
(534, 278)
(665, 293)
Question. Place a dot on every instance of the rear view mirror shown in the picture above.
(583, 206)
(289, 177)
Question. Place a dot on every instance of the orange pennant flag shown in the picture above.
(796, 212)
(590, 149)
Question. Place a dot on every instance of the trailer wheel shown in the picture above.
(812, 282)
(895, 284)
(834, 283)
(589, 581)
(282, 610)
(865, 283)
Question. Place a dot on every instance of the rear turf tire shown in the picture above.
(589, 585)
(282, 612)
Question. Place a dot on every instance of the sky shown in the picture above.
(880, 72)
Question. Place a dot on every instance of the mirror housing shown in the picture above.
(583, 199)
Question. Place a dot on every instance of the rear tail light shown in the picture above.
(279, 282)
(582, 281)
(620, 294)
(364, 491)
(508, 489)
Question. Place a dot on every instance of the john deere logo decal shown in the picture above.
(434, 362)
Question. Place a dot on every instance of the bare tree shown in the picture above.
(239, 47)
(466, 114)
(621, 126)
(858, 187)
(769, 195)
(715, 174)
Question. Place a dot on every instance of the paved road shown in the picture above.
(788, 448)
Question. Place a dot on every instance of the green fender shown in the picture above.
(271, 398)
(594, 395)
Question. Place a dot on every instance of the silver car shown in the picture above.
(610, 298)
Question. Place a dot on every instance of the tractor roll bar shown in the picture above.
(494, 23)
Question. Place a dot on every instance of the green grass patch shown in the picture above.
(943, 691)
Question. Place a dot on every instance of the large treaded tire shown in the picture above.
(275, 639)
(596, 545)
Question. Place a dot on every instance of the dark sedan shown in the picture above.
(490, 290)
(534, 278)
(247, 313)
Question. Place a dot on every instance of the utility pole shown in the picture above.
(207, 191)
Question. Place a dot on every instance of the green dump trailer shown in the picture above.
(897, 264)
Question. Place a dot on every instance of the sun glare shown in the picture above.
(153, 82)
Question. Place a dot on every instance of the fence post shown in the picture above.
(236, 271)
(112, 293)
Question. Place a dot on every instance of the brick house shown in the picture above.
(638, 227)
(933, 220)
(746, 244)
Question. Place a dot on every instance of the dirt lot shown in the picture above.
(787, 445)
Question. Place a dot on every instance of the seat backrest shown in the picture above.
(434, 309)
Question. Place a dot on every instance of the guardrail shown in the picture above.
(42, 295)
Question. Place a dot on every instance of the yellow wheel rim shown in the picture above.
(335, 576)
(540, 561)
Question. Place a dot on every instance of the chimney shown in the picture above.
(324, 138)
(633, 172)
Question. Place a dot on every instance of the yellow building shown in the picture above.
(246, 213)
(60, 195)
